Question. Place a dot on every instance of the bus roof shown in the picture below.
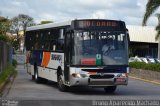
(67, 23)
(50, 25)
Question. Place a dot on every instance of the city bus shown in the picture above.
(80, 52)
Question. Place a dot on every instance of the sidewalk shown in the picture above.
(7, 80)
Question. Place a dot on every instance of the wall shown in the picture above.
(5, 55)
(145, 74)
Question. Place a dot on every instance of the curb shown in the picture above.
(2, 86)
(7, 85)
(145, 80)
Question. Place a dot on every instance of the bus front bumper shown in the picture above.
(99, 80)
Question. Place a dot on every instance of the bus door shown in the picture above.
(68, 54)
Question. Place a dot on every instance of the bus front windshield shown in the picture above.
(100, 48)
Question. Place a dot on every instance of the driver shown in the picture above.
(109, 45)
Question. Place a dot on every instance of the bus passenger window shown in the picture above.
(42, 46)
(60, 44)
(47, 46)
(36, 46)
(54, 47)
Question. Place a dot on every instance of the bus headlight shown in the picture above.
(77, 75)
(122, 75)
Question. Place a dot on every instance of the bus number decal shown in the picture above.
(56, 57)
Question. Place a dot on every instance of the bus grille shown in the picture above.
(102, 83)
(101, 76)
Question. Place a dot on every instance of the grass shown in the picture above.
(14, 63)
(8, 71)
(141, 65)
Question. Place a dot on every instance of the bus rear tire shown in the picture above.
(61, 85)
(37, 78)
(110, 89)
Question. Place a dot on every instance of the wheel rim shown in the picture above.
(60, 82)
(36, 76)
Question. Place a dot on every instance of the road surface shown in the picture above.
(24, 88)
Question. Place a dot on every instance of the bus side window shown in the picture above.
(42, 40)
(60, 41)
(33, 39)
(60, 44)
(52, 40)
(52, 45)
(47, 40)
(27, 41)
(36, 45)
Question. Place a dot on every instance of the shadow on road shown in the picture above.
(121, 90)
(80, 90)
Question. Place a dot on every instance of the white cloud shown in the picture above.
(130, 11)
(104, 14)
(133, 20)
(98, 14)
(152, 21)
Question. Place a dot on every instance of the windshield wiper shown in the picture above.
(108, 50)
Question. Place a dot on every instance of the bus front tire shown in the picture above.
(37, 78)
(61, 85)
(110, 89)
(33, 77)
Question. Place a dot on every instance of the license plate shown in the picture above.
(120, 80)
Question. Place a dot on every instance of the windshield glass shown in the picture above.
(100, 48)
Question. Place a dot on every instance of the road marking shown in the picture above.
(154, 82)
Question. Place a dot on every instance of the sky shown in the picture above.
(130, 11)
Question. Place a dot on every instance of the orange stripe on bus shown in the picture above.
(92, 73)
(46, 58)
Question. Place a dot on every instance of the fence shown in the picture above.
(20, 58)
(5, 55)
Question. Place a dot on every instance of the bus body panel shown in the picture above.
(47, 64)
(105, 78)
(95, 74)
(32, 69)
(28, 65)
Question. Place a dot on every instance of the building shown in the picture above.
(142, 41)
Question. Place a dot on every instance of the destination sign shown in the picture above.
(97, 24)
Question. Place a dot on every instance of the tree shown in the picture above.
(25, 21)
(21, 22)
(4, 27)
(4, 38)
(158, 27)
(151, 7)
(16, 27)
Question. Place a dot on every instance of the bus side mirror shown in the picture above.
(128, 38)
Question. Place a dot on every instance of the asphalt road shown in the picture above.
(23, 88)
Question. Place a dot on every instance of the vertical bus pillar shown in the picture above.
(159, 49)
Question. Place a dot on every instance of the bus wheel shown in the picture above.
(37, 78)
(33, 77)
(110, 89)
(61, 85)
